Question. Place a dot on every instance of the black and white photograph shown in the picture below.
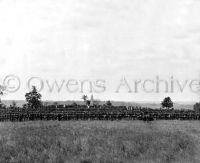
(99, 81)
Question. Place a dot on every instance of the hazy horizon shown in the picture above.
(178, 102)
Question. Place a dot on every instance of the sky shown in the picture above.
(100, 40)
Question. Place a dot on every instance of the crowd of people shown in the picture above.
(82, 112)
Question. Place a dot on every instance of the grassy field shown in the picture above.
(100, 142)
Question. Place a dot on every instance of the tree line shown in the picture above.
(34, 101)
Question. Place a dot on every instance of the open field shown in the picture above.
(99, 141)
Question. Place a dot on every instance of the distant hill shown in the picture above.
(177, 105)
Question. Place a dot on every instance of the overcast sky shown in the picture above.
(100, 39)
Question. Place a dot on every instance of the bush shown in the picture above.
(197, 107)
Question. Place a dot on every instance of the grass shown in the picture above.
(99, 142)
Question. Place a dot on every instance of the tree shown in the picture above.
(167, 103)
(85, 98)
(14, 104)
(196, 107)
(2, 92)
(108, 103)
(33, 99)
(86, 101)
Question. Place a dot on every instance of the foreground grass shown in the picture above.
(99, 141)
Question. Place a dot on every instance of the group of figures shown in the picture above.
(81, 112)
